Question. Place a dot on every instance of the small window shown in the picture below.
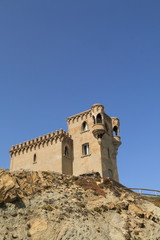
(66, 151)
(115, 131)
(84, 126)
(85, 149)
(34, 158)
(99, 118)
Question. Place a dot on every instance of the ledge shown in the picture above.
(85, 155)
(85, 131)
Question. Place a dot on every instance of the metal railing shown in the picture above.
(146, 192)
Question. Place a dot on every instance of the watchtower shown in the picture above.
(95, 142)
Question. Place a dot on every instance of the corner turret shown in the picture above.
(98, 128)
(116, 132)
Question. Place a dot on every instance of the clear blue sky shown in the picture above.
(57, 58)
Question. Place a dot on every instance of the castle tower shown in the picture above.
(95, 142)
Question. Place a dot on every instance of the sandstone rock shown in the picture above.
(43, 205)
(37, 225)
(7, 189)
(135, 209)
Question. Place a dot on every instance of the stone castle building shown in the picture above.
(90, 145)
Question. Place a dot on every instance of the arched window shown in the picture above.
(34, 158)
(99, 118)
(84, 126)
(115, 131)
(94, 120)
(66, 151)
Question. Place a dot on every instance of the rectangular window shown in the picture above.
(34, 158)
(85, 149)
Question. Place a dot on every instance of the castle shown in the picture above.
(90, 145)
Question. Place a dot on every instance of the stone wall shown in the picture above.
(43, 153)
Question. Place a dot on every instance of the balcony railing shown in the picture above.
(146, 192)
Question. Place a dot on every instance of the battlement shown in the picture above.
(79, 115)
(94, 108)
(97, 107)
(39, 142)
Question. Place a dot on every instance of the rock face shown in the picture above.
(46, 205)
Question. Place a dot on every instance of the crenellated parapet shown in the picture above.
(96, 108)
(81, 116)
(39, 142)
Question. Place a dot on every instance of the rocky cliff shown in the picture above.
(46, 205)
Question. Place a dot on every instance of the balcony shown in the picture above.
(98, 130)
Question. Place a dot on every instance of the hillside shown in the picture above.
(47, 205)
